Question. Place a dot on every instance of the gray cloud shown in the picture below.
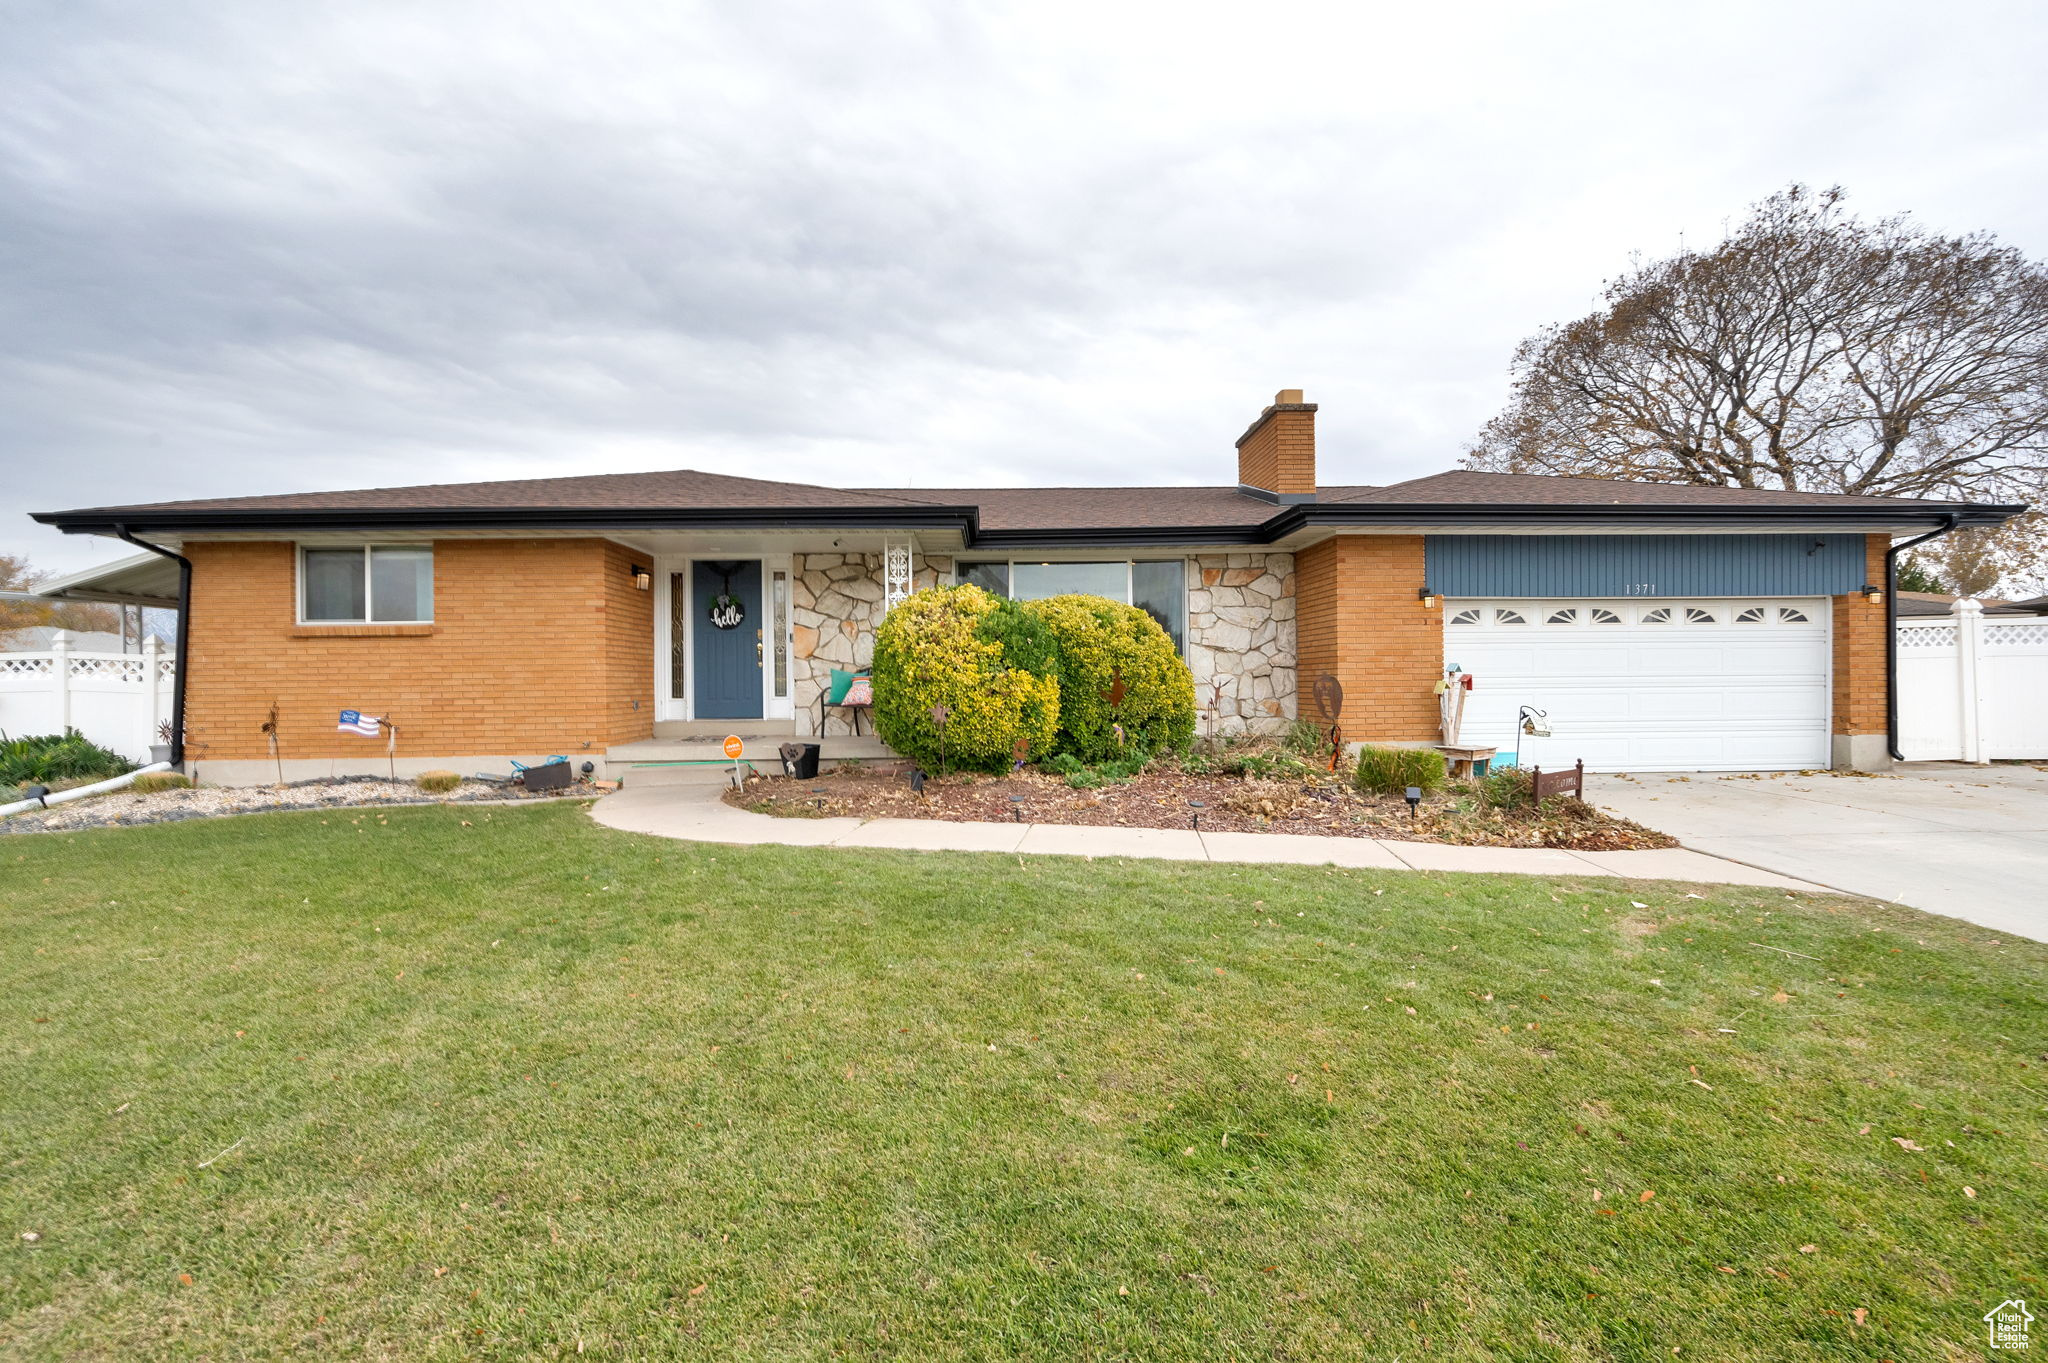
(249, 247)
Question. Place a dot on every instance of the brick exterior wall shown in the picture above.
(537, 646)
(1279, 452)
(1359, 619)
(1860, 685)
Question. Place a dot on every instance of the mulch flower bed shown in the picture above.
(1164, 798)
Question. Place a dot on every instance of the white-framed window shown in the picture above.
(366, 584)
(1156, 586)
(1466, 617)
(1792, 615)
(1754, 615)
(1695, 616)
(1568, 615)
(1603, 616)
(1508, 617)
(1659, 616)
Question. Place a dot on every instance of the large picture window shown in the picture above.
(1156, 586)
(367, 584)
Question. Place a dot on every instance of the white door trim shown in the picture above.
(668, 706)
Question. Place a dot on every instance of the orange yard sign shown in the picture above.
(733, 746)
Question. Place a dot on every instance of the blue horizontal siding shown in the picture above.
(1643, 565)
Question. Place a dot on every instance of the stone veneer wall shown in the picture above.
(835, 604)
(1241, 643)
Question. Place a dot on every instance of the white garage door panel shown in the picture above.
(1688, 695)
(1591, 663)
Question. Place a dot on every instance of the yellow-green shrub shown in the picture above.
(978, 656)
(1097, 639)
(150, 782)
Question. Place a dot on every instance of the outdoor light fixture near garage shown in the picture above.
(1873, 594)
(1427, 597)
(643, 577)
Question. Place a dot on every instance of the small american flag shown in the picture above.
(356, 722)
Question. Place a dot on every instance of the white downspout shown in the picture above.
(77, 792)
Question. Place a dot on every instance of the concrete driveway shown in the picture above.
(1969, 842)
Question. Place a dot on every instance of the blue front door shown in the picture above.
(725, 601)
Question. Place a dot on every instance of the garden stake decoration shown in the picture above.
(269, 733)
(1215, 706)
(1019, 754)
(1115, 696)
(1329, 698)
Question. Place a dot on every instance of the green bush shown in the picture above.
(980, 656)
(1267, 763)
(1506, 788)
(1310, 739)
(437, 782)
(1097, 640)
(1390, 771)
(48, 759)
(1081, 776)
(150, 782)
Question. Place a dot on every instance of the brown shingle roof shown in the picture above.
(695, 496)
(1100, 508)
(1536, 489)
(672, 489)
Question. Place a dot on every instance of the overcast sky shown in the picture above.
(256, 247)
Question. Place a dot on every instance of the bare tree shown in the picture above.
(17, 575)
(1811, 351)
(2013, 556)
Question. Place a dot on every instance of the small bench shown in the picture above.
(853, 708)
(855, 711)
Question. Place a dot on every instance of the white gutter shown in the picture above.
(77, 792)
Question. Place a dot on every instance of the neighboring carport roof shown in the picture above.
(139, 580)
(1920, 605)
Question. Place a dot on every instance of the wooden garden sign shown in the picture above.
(1572, 781)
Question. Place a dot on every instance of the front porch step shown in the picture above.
(714, 729)
(696, 761)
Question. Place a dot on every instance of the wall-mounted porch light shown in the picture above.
(1874, 595)
(643, 577)
(1426, 597)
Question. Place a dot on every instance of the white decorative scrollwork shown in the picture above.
(896, 574)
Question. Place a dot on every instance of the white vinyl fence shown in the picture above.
(115, 699)
(1972, 689)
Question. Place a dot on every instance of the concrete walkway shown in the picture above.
(698, 814)
(1970, 842)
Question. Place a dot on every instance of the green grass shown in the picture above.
(448, 1083)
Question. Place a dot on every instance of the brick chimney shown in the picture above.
(1276, 457)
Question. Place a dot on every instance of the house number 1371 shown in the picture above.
(1642, 589)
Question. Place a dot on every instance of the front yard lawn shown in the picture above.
(500, 1083)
